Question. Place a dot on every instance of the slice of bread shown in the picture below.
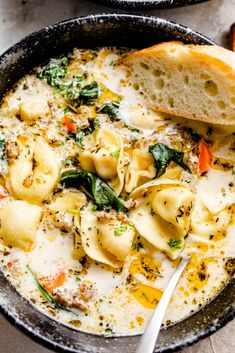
(191, 81)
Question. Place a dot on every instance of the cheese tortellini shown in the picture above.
(32, 110)
(19, 223)
(208, 226)
(68, 200)
(116, 237)
(162, 215)
(35, 172)
(71, 201)
(106, 158)
(140, 169)
(107, 241)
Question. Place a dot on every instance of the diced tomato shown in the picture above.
(205, 156)
(9, 264)
(3, 192)
(53, 281)
(67, 120)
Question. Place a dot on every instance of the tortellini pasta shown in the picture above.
(106, 159)
(162, 214)
(19, 223)
(35, 172)
(106, 241)
(216, 190)
(90, 240)
(70, 200)
(116, 237)
(140, 169)
(32, 110)
(208, 226)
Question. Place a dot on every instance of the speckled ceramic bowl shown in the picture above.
(148, 4)
(92, 31)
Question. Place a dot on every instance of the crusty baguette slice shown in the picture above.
(192, 81)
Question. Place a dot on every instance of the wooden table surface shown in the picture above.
(20, 17)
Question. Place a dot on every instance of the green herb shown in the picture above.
(135, 130)
(96, 124)
(79, 138)
(174, 244)
(2, 143)
(96, 188)
(2, 148)
(163, 155)
(110, 109)
(137, 246)
(233, 172)
(48, 296)
(78, 279)
(79, 79)
(94, 208)
(120, 230)
(115, 154)
(89, 92)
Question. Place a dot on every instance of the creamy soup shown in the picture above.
(100, 196)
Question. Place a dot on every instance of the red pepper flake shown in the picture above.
(9, 264)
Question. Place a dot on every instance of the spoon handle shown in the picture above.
(150, 335)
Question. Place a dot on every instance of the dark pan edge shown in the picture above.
(148, 4)
(42, 340)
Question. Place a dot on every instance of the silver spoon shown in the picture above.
(150, 335)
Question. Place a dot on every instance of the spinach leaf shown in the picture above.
(163, 155)
(174, 244)
(90, 91)
(110, 109)
(102, 194)
(48, 296)
(54, 71)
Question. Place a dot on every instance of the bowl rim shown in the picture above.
(148, 4)
(178, 28)
(8, 312)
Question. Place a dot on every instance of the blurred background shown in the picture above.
(21, 17)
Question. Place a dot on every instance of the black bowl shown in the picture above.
(92, 31)
(148, 4)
